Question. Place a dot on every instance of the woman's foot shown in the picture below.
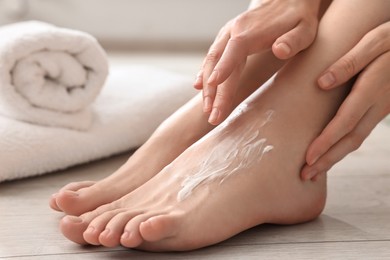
(177, 133)
(243, 173)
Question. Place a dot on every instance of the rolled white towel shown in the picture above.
(50, 75)
(134, 101)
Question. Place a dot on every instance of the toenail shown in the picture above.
(106, 232)
(126, 235)
(90, 230)
(74, 219)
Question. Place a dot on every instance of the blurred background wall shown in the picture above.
(135, 24)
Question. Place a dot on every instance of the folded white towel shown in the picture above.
(134, 101)
(49, 75)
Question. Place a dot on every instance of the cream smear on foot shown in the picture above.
(232, 155)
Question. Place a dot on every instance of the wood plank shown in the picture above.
(328, 250)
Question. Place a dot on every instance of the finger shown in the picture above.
(294, 41)
(367, 49)
(211, 60)
(346, 145)
(223, 103)
(371, 87)
(199, 80)
(347, 117)
(233, 55)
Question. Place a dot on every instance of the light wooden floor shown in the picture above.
(354, 225)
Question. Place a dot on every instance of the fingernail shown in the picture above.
(311, 162)
(284, 47)
(214, 115)
(207, 104)
(198, 81)
(213, 77)
(327, 80)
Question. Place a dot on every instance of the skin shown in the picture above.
(248, 34)
(185, 126)
(366, 105)
(254, 31)
(177, 133)
(151, 218)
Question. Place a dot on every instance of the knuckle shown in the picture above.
(239, 21)
(213, 55)
(238, 39)
(348, 65)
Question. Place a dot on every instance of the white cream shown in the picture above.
(231, 155)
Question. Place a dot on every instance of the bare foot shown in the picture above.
(243, 173)
(176, 134)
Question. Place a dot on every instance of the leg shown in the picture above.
(176, 134)
(77, 198)
(244, 172)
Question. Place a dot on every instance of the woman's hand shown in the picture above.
(288, 26)
(366, 105)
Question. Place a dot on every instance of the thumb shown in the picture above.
(294, 41)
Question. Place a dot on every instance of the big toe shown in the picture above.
(73, 228)
(73, 186)
(159, 227)
(83, 200)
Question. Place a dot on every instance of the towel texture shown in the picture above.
(49, 75)
(134, 101)
(53, 111)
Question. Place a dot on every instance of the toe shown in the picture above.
(73, 186)
(130, 239)
(69, 202)
(72, 228)
(131, 236)
(111, 236)
(83, 200)
(97, 226)
(159, 227)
